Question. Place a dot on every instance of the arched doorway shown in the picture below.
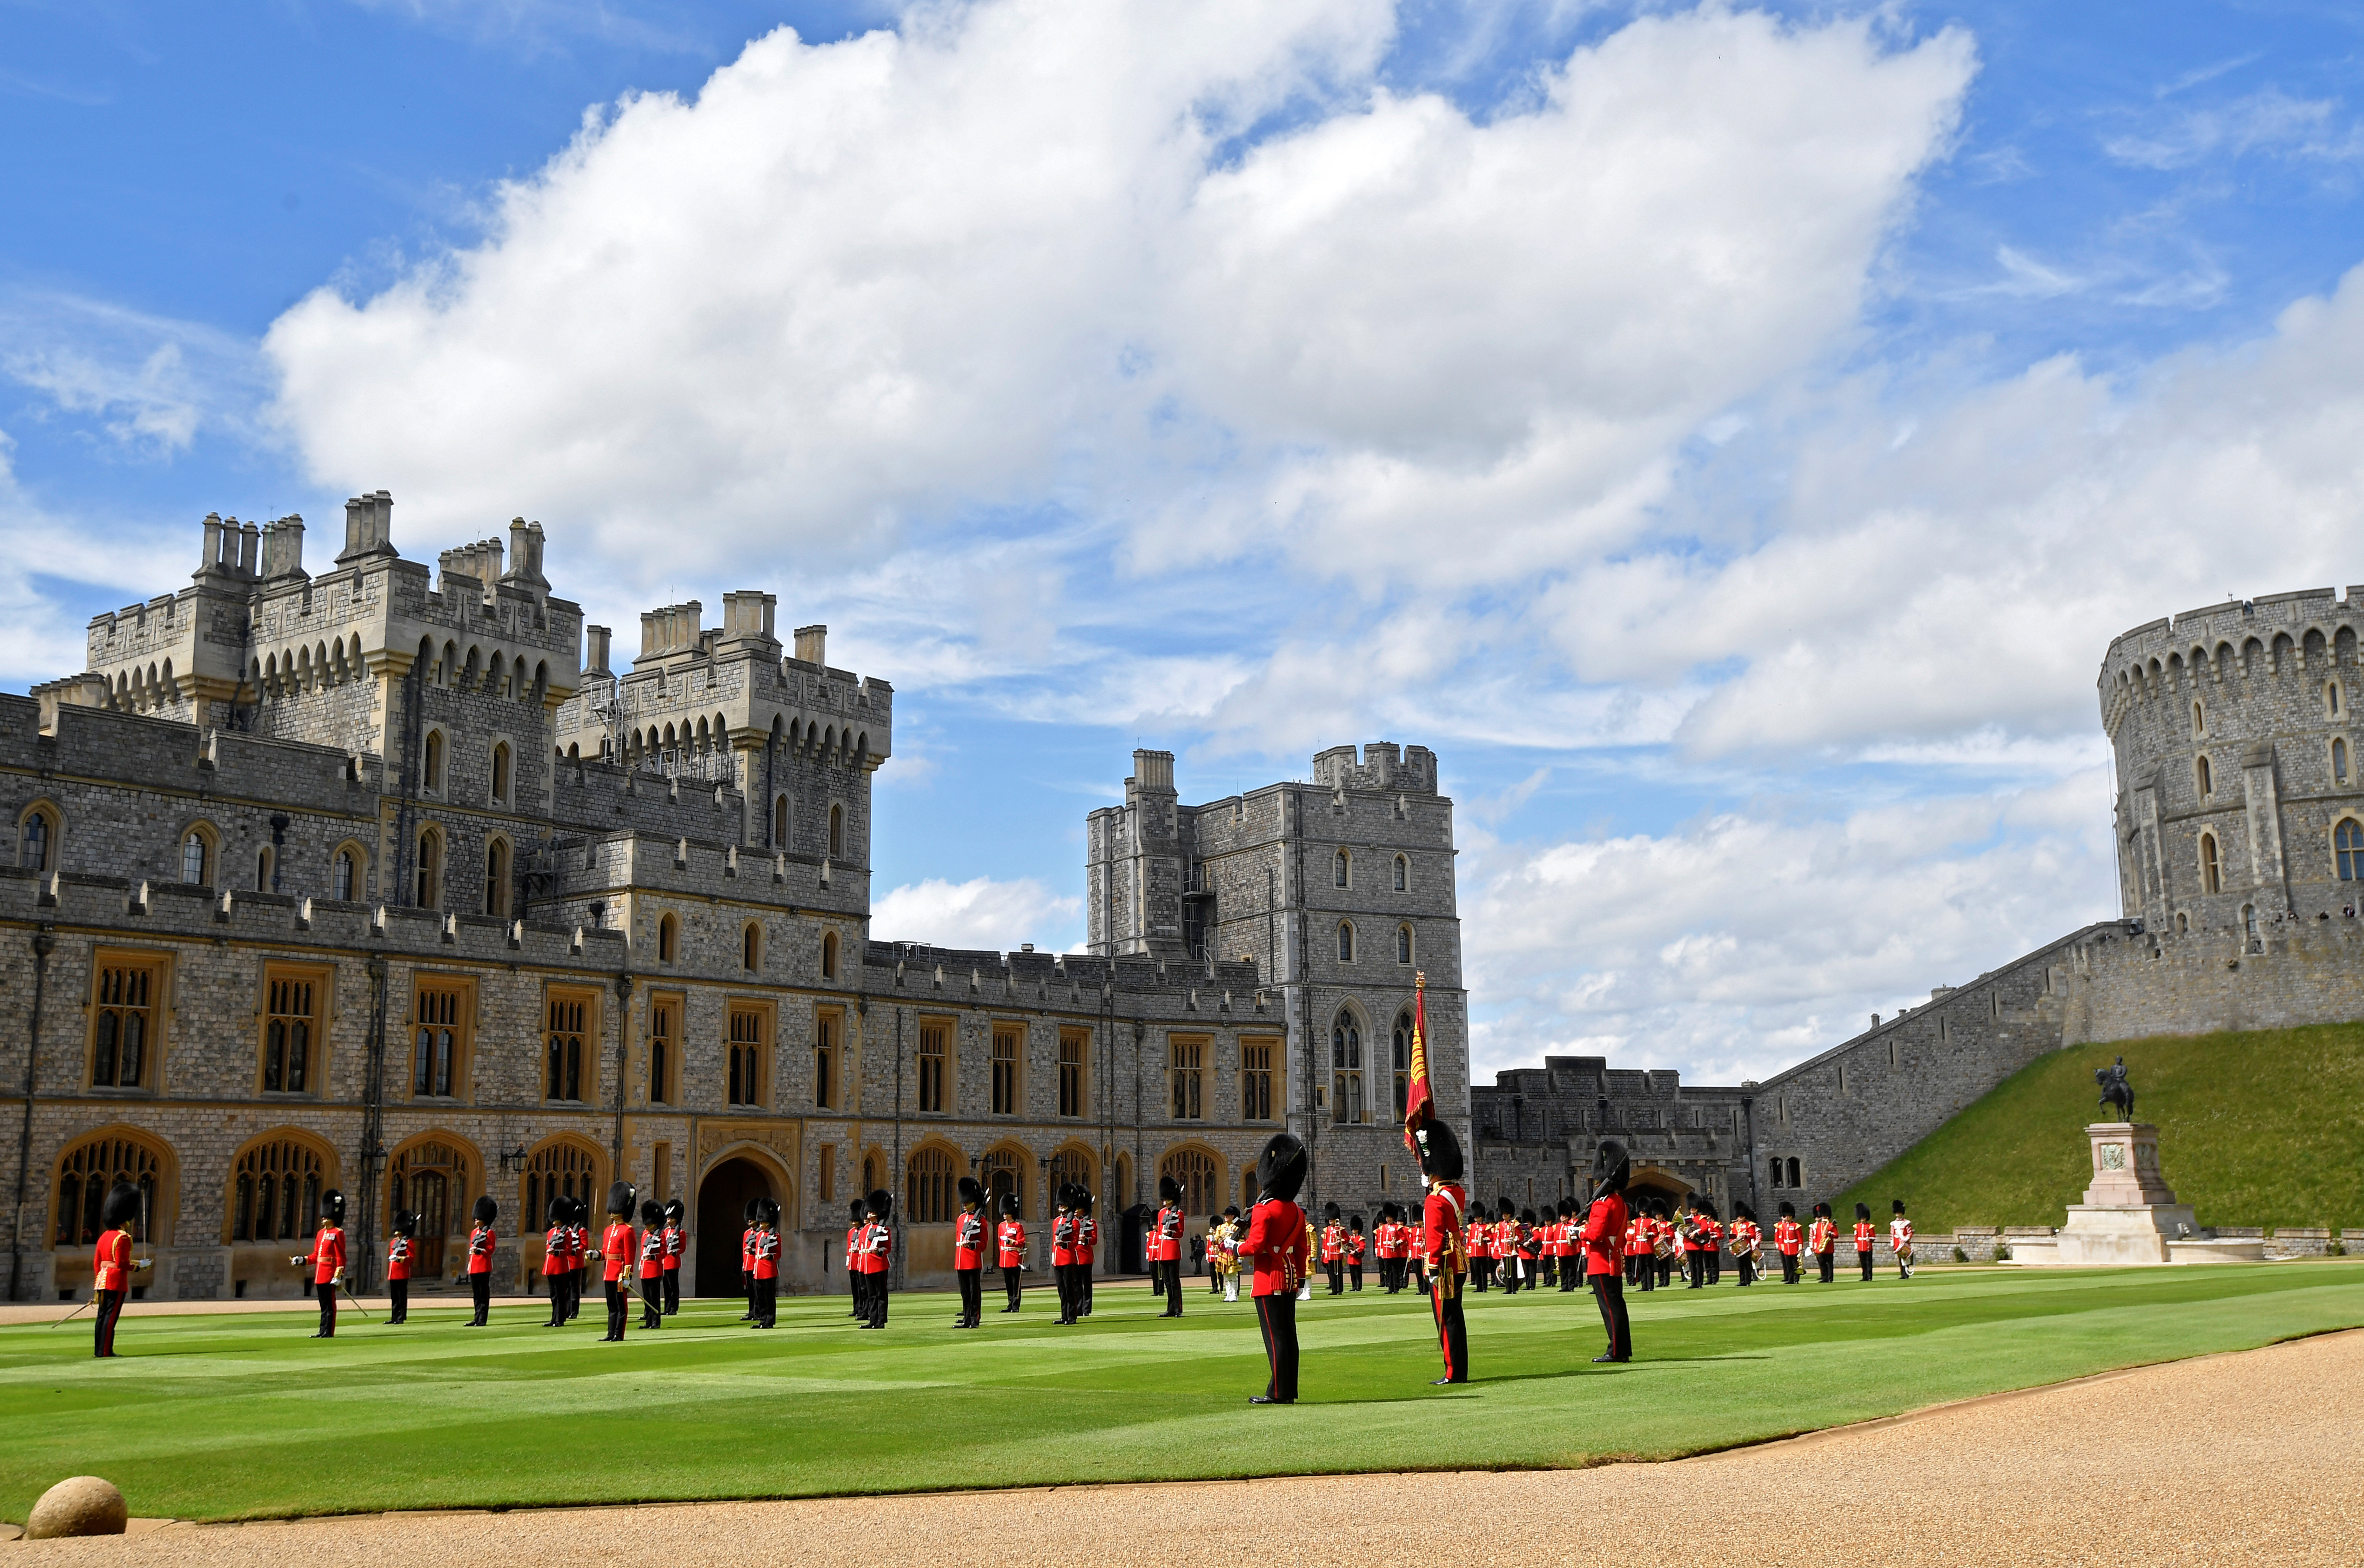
(722, 1218)
(1652, 1183)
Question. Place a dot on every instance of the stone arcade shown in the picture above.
(384, 880)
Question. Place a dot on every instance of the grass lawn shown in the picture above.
(2260, 1129)
(242, 1416)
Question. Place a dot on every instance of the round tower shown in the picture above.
(2239, 800)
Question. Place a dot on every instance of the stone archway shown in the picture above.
(1650, 1181)
(721, 1221)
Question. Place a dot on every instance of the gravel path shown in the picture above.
(2253, 1458)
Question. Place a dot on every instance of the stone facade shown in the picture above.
(361, 883)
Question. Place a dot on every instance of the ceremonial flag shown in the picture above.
(1419, 1106)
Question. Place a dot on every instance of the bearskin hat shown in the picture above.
(1354, 1222)
(554, 1212)
(882, 1205)
(1280, 1169)
(620, 1198)
(1703, 1206)
(970, 1191)
(121, 1207)
(675, 1211)
(1526, 1217)
(1083, 1197)
(406, 1223)
(652, 1213)
(1329, 1211)
(487, 1210)
(332, 1207)
(1789, 1210)
(1899, 1203)
(578, 1209)
(1168, 1190)
(1742, 1211)
(1009, 1205)
(1505, 1207)
(771, 1214)
(1822, 1210)
(755, 1211)
(1440, 1151)
(1615, 1166)
(1863, 1211)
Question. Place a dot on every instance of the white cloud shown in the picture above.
(998, 917)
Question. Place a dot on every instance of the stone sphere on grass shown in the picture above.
(83, 1504)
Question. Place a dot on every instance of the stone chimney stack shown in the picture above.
(596, 638)
(209, 558)
(369, 528)
(812, 645)
(249, 545)
(525, 556)
(283, 549)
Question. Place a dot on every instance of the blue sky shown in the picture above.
(1728, 436)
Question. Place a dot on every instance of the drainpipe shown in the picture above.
(623, 1038)
(44, 941)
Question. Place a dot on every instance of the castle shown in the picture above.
(2240, 845)
(381, 880)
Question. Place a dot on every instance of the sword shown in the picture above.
(354, 1300)
(76, 1312)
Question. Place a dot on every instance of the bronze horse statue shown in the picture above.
(2115, 1090)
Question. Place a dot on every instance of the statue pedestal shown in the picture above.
(2129, 1214)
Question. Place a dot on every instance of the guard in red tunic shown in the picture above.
(1387, 1247)
(615, 1255)
(878, 1256)
(968, 1254)
(1274, 1246)
(1823, 1242)
(480, 1257)
(1062, 1251)
(578, 1251)
(112, 1265)
(327, 1259)
(1900, 1241)
(557, 1260)
(1786, 1241)
(751, 1220)
(1355, 1245)
(1863, 1235)
(1165, 1246)
(767, 1263)
(675, 1238)
(400, 1249)
(1333, 1249)
(1087, 1240)
(1604, 1233)
(651, 1264)
(1444, 1249)
(1010, 1249)
(856, 1282)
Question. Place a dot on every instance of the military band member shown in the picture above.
(400, 1249)
(578, 1250)
(1823, 1240)
(1277, 1246)
(1641, 1271)
(1010, 1249)
(651, 1264)
(1573, 1260)
(856, 1282)
(1443, 1245)
(1333, 1249)
(1666, 1227)
(675, 1240)
(1710, 1225)
(1063, 1253)
(480, 1241)
(615, 1255)
(1476, 1235)
(750, 1219)
(1304, 1291)
(1354, 1246)
(1087, 1240)
(326, 1261)
(1788, 1241)
(1530, 1248)
(968, 1254)
(878, 1255)
(1746, 1241)
(1224, 1246)
(555, 1261)
(1863, 1237)
(1387, 1247)
(1604, 1231)
(1900, 1241)
(767, 1263)
(112, 1264)
(1504, 1239)
(1165, 1246)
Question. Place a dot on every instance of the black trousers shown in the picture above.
(1828, 1260)
(672, 1291)
(1451, 1333)
(1084, 1283)
(1165, 1280)
(652, 1301)
(1748, 1272)
(767, 1302)
(1696, 1264)
(1570, 1268)
(1063, 1280)
(480, 1291)
(1609, 1291)
(1418, 1268)
(1665, 1267)
(1789, 1268)
(110, 1307)
(972, 1294)
(327, 1291)
(619, 1297)
(1480, 1271)
(1277, 1316)
(1864, 1260)
(878, 1289)
(1336, 1270)
(747, 1289)
(399, 1291)
(1714, 1265)
(1013, 1282)
(1506, 1270)
(1354, 1277)
(575, 1294)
